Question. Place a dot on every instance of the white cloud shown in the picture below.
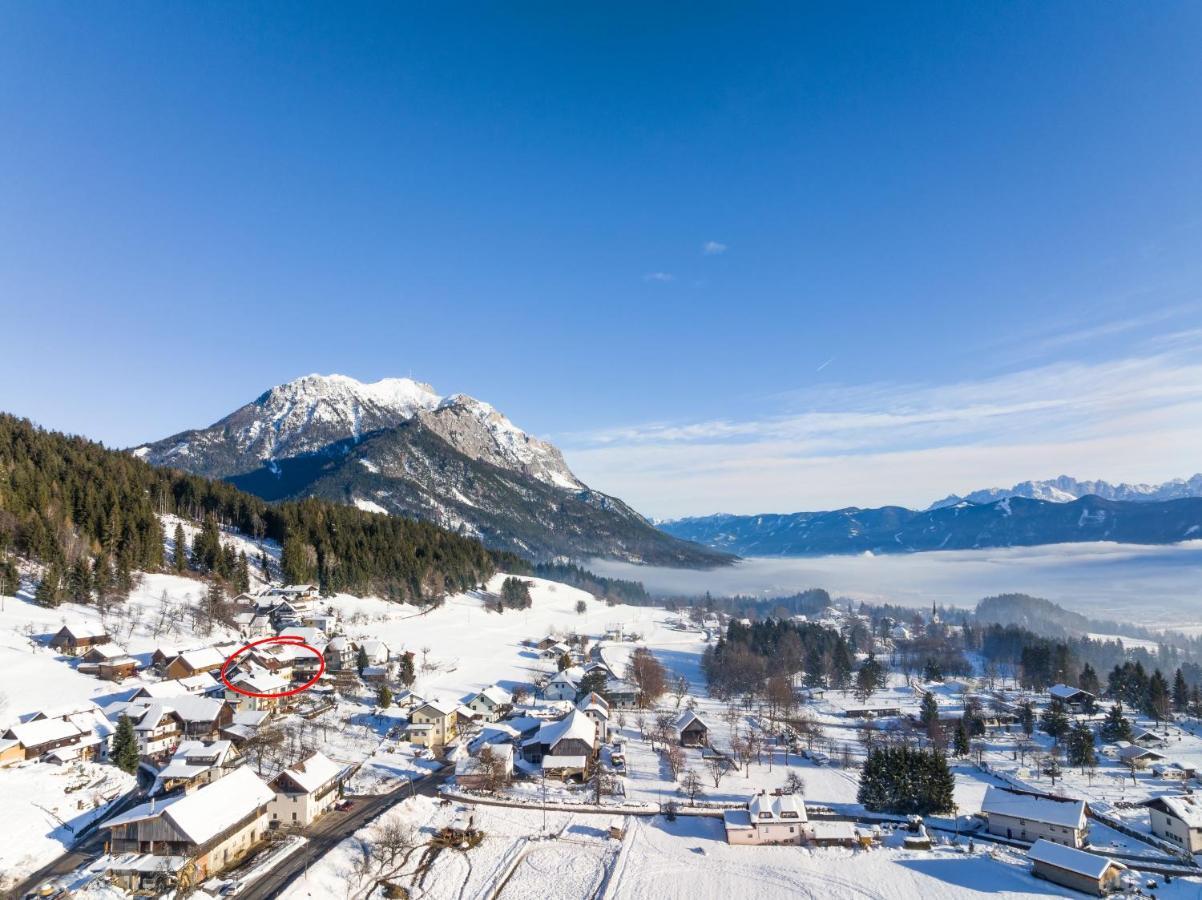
(659, 276)
(713, 248)
(1135, 419)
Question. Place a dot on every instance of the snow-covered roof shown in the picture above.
(106, 651)
(1071, 859)
(442, 707)
(594, 701)
(251, 717)
(139, 862)
(80, 630)
(203, 658)
(262, 682)
(780, 807)
(832, 831)
(192, 684)
(209, 811)
(43, 731)
(192, 758)
(496, 695)
(1069, 814)
(574, 725)
(308, 634)
(1184, 808)
(687, 717)
(1129, 751)
(310, 774)
(1066, 691)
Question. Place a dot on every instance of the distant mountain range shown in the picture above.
(1066, 489)
(397, 447)
(1009, 522)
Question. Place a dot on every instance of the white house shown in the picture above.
(563, 685)
(304, 791)
(489, 703)
(767, 820)
(1026, 817)
(1178, 820)
(596, 708)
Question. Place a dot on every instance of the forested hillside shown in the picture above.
(91, 516)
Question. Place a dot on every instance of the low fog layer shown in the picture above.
(1148, 585)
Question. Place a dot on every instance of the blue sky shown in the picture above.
(730, 256)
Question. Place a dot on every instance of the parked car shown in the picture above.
(344, 805)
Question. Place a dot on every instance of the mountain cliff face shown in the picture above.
(396, 446)
(1011, 522)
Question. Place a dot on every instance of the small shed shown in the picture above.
(1072, 868)
(617, 827)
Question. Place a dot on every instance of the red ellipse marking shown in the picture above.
(291, 640)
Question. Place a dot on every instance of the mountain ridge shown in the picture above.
(1009, 522)
(1065, 488)
(397, 446)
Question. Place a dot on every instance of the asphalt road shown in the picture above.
(330, 830)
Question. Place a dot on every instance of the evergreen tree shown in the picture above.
(1116, 726)
(50, 591)
(1158, 700)
(361, 660)
(124, 753)
(383, 697)
(79, 582)
(242, 574)
(1088, 680)
(929, 712)
(595, 682)
(1180, 692)
(180, 557)
(960, 740)
(1054, 720)
(10, 577)
(931, 670)
(1080, 746)
(1026, 717)
(906, 780)
(406, 671)
(868, 678)
(564, 662)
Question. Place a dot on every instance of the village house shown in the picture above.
(376, 651)
(1027, 817)
(304, 791)
(1177, 820)
(243, 725)
(779, 819)
(491, 704)
(621, 694)
(160, 725)
(1146, 738)
(1074, 698)
(256, 681)
(162, 655)
(563, 685)
(691, 729)
(91, 659)
(1138, 757)
(253, 624)
(70, 639)
(194, 662)
(596, 708)
(214, 827)
(1076, 869)
(340, 654)
(195, 764)
(471, 773)
(555, 651)
(37, 739)
(196, 685)
(294, 593)
(565, 748)
(117, 669)
(434, 724)
(547, 642)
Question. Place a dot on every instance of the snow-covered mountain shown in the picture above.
(1065, 489)
(397, 446)
(309, 414)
